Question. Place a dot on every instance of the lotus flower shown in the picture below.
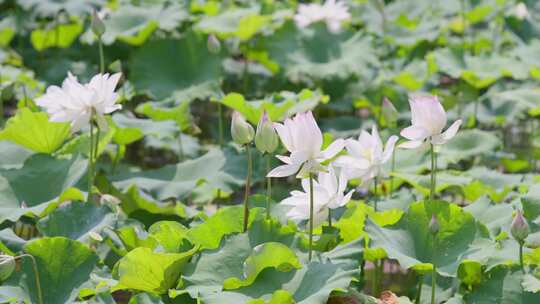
(302, 137)
(520, 228)
(77, 103)
(366, 155)
(428, 121)
(328, 192)
(334, 13)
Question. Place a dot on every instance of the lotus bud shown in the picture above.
(520, 229)
(241, 131)
(266, 139)
(434, 225)
(389, 112)
(213, 44)
(7, 266)
(97, 25)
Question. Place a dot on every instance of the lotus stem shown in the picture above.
(434, 273)
(433, 173)
(246, 193)
(375, 194)
(36, 274)
(91, 163)
(521, 256)
(310, 215)
(268, 186)
(101, 56)
(419, 292)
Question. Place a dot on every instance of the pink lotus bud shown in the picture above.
(266, 139)
(520, 229)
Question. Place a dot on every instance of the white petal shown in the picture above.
(333, 149)
(415, 133)
(285, 170)
(284, 135)
(389, 148)
(284, 159)
(452, 130)
(411, 144)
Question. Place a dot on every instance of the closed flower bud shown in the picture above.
(266, 139)
(520, 229)
(389, 112)
(241, 131)
(434, 225)
(7, 266)
(97, 25)
(213, 44)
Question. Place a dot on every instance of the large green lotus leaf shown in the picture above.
(467, 144)
(49, 8)
(489, 182)
(209, 233)
(61, 36)
(445, 180)
(531, 202)
(41, 179)
(411, 243)
(160, 111)
(147, 210)
(512, 104)
(491, 253)
(278, 106)
(531, 283)
(13, 155)
(494, 216)
(199, 177)
(75, 220)
(7, 31)
(149, 127)
(135, 24)
(313, 283)
(34, 131)
(266, 255)
(183, 68)
(242, 23)
(172, 236)
(502, 285)
(315, 53)
(63, 266)
(155, 272)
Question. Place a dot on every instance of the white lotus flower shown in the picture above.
(302, 137)
(327, 193)
(366, 155)
(77, 103)
(428, 120)
(332, 12)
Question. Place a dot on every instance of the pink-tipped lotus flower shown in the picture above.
(302, 137)
(428, 120)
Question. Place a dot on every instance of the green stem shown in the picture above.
(393, 168)
(419, 292)
(36, 274)
(91, 163)
(433, 173)
(220, 124)
(101, 57)
(329, 217)
(375, 194)
(268, 187)
(375, 279)
(246, 193)
(96, 144)
(521, 256)
(433, 274)
(310, 215)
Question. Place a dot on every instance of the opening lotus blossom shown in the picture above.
(366, 155)
(328, 192)
(332, 12)
(428, 120)
(77, 103)
(302, 137)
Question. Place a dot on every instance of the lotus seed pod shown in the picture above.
(213, 44)
(434, 225)
(241, 131)
(7, 266)
(266, 139)
(520, 229)
(97, 25)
